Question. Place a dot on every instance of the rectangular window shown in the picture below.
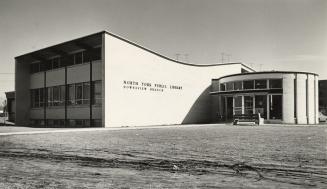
(79, 58)
(49, 65)
(222, 87)
(96, 54)
(79, 93)
(97, 92)
(237, 105)
(50, 96)
(86, 93)
(275, 84)
(260, 84)
(248, 84)
(41, 93)
(56, 95)
(62, 95)
(229, 86)
(248, 105)
(71, 94)
(238, 85)
(275, 106)
(55, 63)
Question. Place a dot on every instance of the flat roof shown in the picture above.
(47, 52)
(266, 72)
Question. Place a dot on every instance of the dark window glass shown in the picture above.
(68, 60)
(49, 64)
(238, 85)
(50, 96)
(97, 92)
(41, 97)
(260, 84)
(32, 98)
(56, 95)
(86, 93)
(71, 94)
(238, 105)
(96, 122)
(96, 54)
(55, 63)
(222, 87)
(275, 84)
(79, 93)
(87, 56)
(261, 105)
(35, 67)
(86, 123)
(79, 58)
(275, 106)
(62, 95)
(229, 86)
(248, 105)
(248, 84)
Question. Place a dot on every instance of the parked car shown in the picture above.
(322, 117)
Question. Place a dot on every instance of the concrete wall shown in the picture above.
(288, 98)
(190, 103)
(301, 95)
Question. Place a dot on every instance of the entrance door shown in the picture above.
(229, 108)
(261, 105)
(275, 106)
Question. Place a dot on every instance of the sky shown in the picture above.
(285, 35)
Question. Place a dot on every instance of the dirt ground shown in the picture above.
(215, 156)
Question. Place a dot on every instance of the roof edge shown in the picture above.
(266, 72)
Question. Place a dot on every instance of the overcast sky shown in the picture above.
(265, 34)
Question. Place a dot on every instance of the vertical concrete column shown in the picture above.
(301, 99)
(22, 92)
(288, 98)
(311, 99)
(316, 100)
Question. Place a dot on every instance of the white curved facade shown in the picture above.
(280, 97)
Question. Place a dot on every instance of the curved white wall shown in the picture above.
(288, 98)
(303, 96)
(126, 107)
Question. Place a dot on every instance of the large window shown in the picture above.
(229, 86)
(79, 93)
(238, 85)
(56, 95)
(237, 105)
(248, 105)
(275, 106)
(248, 84)
(275, 84)
(260, 84)
(71, 94)
(68, 60)
(97, 92)
(37, 98)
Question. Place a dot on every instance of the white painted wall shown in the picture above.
(288, 98)
(301, 99)
(127, 107)
(311, 99)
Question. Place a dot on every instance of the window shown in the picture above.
(248, 84)
(56, 95)
(260, 84)
(238, 85)
(79, 93)
(96, 122)
(71, 94)
(229, 86)
(35, 67)
(62, 95)
(97, 92)
(48, 65)
(55, 63)
(275, 106)
(37, 98)
(50, 96)
(222, 87)
(248, 105)
(275, 84)
(237, 105)
(86, 93)
(79, 58)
